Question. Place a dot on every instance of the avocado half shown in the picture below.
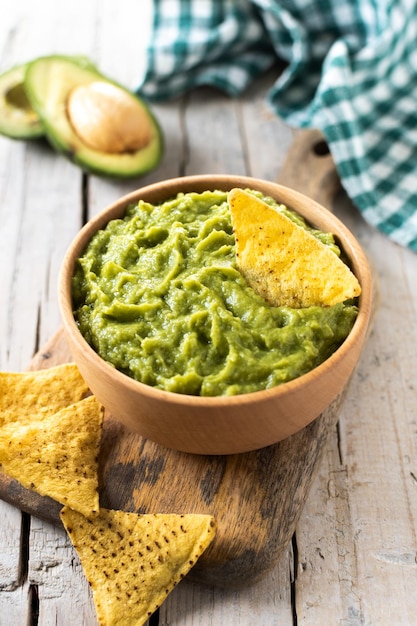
(18, 120)
(50, 83)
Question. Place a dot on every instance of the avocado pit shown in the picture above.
(17, 100)
(108, 119)
(16, 96)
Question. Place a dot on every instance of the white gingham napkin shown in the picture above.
(351, 72)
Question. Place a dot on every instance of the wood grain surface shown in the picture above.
(256, 497)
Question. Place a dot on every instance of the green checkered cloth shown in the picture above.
(351, 71)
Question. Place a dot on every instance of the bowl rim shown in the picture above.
(165, 190)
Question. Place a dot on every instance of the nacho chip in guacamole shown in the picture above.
(284, 262)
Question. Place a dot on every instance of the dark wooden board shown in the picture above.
(257, 497)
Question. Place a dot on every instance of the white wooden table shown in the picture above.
(353, 559)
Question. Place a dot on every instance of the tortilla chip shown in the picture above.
(57, 455)
(133, 562)
(282, 261)
(43, 392)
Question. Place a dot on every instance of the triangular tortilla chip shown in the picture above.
(43, 392)
(57, 455)
(282, 261)
(133, 562)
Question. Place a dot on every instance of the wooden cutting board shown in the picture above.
(257, 497)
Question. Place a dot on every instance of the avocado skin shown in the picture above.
(18, 120)
(48, 81)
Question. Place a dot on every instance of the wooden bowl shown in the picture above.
(219, 425)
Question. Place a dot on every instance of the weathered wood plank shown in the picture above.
(266, 603)
(54, 568)
(265, 137)
(43, 189)
(326, 582)
(212, 133)
(380, 445)
(40, 212)
(121, 35)
(11, 557)
(357, 535)
(15, 606)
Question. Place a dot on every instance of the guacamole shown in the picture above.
(158, 295)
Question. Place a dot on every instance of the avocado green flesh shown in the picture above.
(18, 120)
(158, 295)
(49, 80)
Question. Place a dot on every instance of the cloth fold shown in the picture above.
(351, 72)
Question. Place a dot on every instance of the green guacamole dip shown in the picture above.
(158, 295)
